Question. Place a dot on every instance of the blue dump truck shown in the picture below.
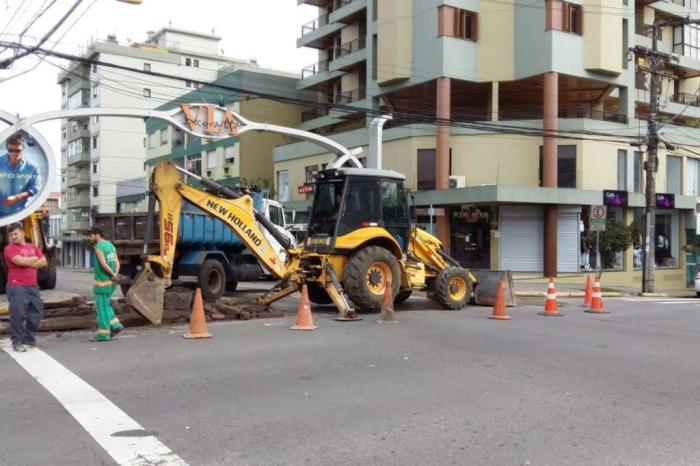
(208, 253)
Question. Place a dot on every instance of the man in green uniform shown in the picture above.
(106, 267)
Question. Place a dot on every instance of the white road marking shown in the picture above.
(658, 300)
(94, 412)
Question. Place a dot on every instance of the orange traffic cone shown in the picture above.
(550, 305)
(387, 316)
(198, 324)
(597, 300)
(304, 319)
(499, 304)
(587, 296)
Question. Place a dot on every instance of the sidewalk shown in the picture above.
(528, 286)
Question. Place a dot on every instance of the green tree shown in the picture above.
(616, 237)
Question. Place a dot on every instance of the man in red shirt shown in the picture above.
(22, 260)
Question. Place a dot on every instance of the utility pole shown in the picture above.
(654, 64)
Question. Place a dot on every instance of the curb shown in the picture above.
(564, 294)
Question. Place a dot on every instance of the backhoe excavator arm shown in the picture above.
(230, 206)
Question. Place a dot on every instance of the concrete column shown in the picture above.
(494, 101)
(549, 170)
(442, 155)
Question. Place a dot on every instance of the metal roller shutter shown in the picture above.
(568, 242)
(521, 242)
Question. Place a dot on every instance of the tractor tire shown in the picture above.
(366, 272)
(318, 295)
(453, 288)
(212, 279)
(403, 295)
(48, 281)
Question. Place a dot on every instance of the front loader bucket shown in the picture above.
(487, 283)
(146, 295)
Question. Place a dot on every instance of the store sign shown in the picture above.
(598, 218)
(305, 188)
(25, 163)
(615, 198)
(208, 121)
(665, 201)
(471, 214)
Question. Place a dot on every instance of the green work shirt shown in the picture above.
(110, 254)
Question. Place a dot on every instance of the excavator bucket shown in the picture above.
(146, 295)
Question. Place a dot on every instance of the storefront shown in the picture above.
(470, 236)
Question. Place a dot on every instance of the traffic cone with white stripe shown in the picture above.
(597, 300)
(588, 295)
(550, 305)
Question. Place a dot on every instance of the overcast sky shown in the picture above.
(263, 29)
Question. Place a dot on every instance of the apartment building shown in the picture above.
(548, 112)
(98, 153)
(245, 159)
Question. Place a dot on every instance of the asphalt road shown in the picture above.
(439, 387)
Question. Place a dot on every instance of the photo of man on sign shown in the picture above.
(21, 168)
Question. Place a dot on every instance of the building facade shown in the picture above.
(547, 118)
(99, 153)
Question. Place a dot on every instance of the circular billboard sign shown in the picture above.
(26, 175)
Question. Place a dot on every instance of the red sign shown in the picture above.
(305, 188)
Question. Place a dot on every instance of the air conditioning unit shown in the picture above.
(457, 181)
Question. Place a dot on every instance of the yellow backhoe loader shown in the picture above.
(361, 238)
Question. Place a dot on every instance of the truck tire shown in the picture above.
(212, 279)
(453, 288)
(403, 295)
(48, 281)
(366, 273)
(318, 295)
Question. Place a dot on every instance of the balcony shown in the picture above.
(348, 11)
(317, 33)
(686, 99)
(347, 56)
(585, 113)
(77, 225)
(313, 25)
(312, 114)
(348, 97)
(315, 74)
(77, 178)
(313, 70)
(82, 158)
(81, 200)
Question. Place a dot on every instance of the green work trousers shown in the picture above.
(106, 319)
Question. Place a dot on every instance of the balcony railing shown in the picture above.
(341, 3)
(686, 99)
(311, 26)
(312, 114)
(350, 96)
(601, 115)
(350, 47)
(314, 69)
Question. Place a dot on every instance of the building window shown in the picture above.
(188, 83)
(146, 92)
(95, 119)
(163, 136)
(692, 177)
(309, 172)
(686, 40)
(63, 134)
(95, 90)
(76, 100)
(283, 185)
(212, 159)
(94, 142)
(146, 67)
(188, 62)
(178, 137)
(193, 164)
(95, 191)
(573, 18)
(195, 63)
(673, 174)
(637, 172)
(566, 166)
(426, 169)
(230, 154)
(455, 22)
(94, 167)
(153, 139)
(622, 169)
